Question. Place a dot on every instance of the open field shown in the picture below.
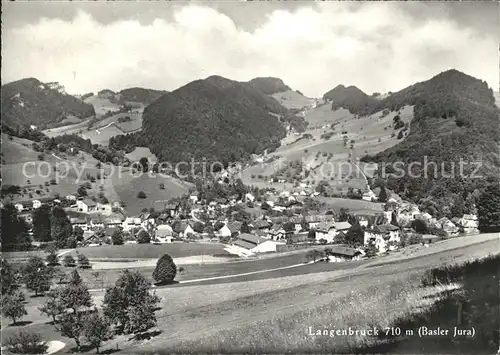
(357, 206)
(101, 105)
(274, 314)
(140, 152)
(327, 159)
(292, 99)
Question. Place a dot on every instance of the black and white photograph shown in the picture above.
(258, 177)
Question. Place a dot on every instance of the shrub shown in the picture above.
(26, 343)
(117, 238)
(161, 186)
(83, 262)
(141, 194)
(165, 270)
(143, 237)
(69, 261)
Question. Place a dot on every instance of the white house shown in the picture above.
(104, 208)
(249, 197)
(224, 231)
(469, 224)
(448, 227)
(19, 207)
(363, 222)
(37, 204)
(86, 206)
(326, 231)
(71, 197)
(338, 253)
(193, 198)
(131, 223)
(251, 244)
(369, 196)
(383, 236)
(277, 232)
(163, 234)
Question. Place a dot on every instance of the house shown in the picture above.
(86, 206)
(113, 221)
(297, 223)
(164, 234)
(369, 196)
(260, 224)
(448, 227)
(342, 226)
(363, 221)
(71, 197)
(36, 204)
(298, 238)
(249, 197)
(277, 232)
(234, 228)
(96, 222)
(469, 224)
(339, 253)
(79, 222)
(185, 229)
(326, 231)
(90, 239)
(313, 220)
(104, 208)
(194, 198)
(251, 244)
(383, 236)
(131, 223)
(19, 207)
(223, 232)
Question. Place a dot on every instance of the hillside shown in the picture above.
(140, 95)
(455, 118)
(269, 85)
(350, 98)
(30, 102)
(216, 118)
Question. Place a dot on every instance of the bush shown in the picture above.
(143, 237)
(117, 238)
(69, 261)
(165, 270)
(26, 343)
(83, 262)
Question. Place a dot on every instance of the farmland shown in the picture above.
(326, 152)
(238, 314)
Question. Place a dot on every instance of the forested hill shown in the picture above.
(455, 118)
(30, 102)
(350, 98)
(215, 118)
(269, 85)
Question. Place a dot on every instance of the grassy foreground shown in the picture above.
(404, 302)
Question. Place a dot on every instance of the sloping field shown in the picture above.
(292, 99)
(330, 155)
(17, 150)
(68, 129)
(101, 106)
(274, 315)
(141, 152)
(128, 186)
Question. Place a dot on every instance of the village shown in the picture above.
(254, 221)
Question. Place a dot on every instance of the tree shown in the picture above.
(8, 280)
(117, 237)
(343, 215)
(75, 294)
(82, 191)
(382, 196)
(53, 306)
(244, 227)
(70, 325)
(68, 261)
(36, 275)
(41, 224)
(420, 226)
(144, 164)
(314, 254)
(141, 194)
(161, 186)
(97, 329)
(83, 261)
(130, 290)
(143, 237)
(141, 318)
(488, 208)
(311, 235)
(355, 235)
(400, 134)
(370, 250)
(78, 233)
(14, 232)
(52, 259)
(13, 307)
(165, 270)
(26, 343)
(60, 226)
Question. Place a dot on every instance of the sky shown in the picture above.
(311, 46)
